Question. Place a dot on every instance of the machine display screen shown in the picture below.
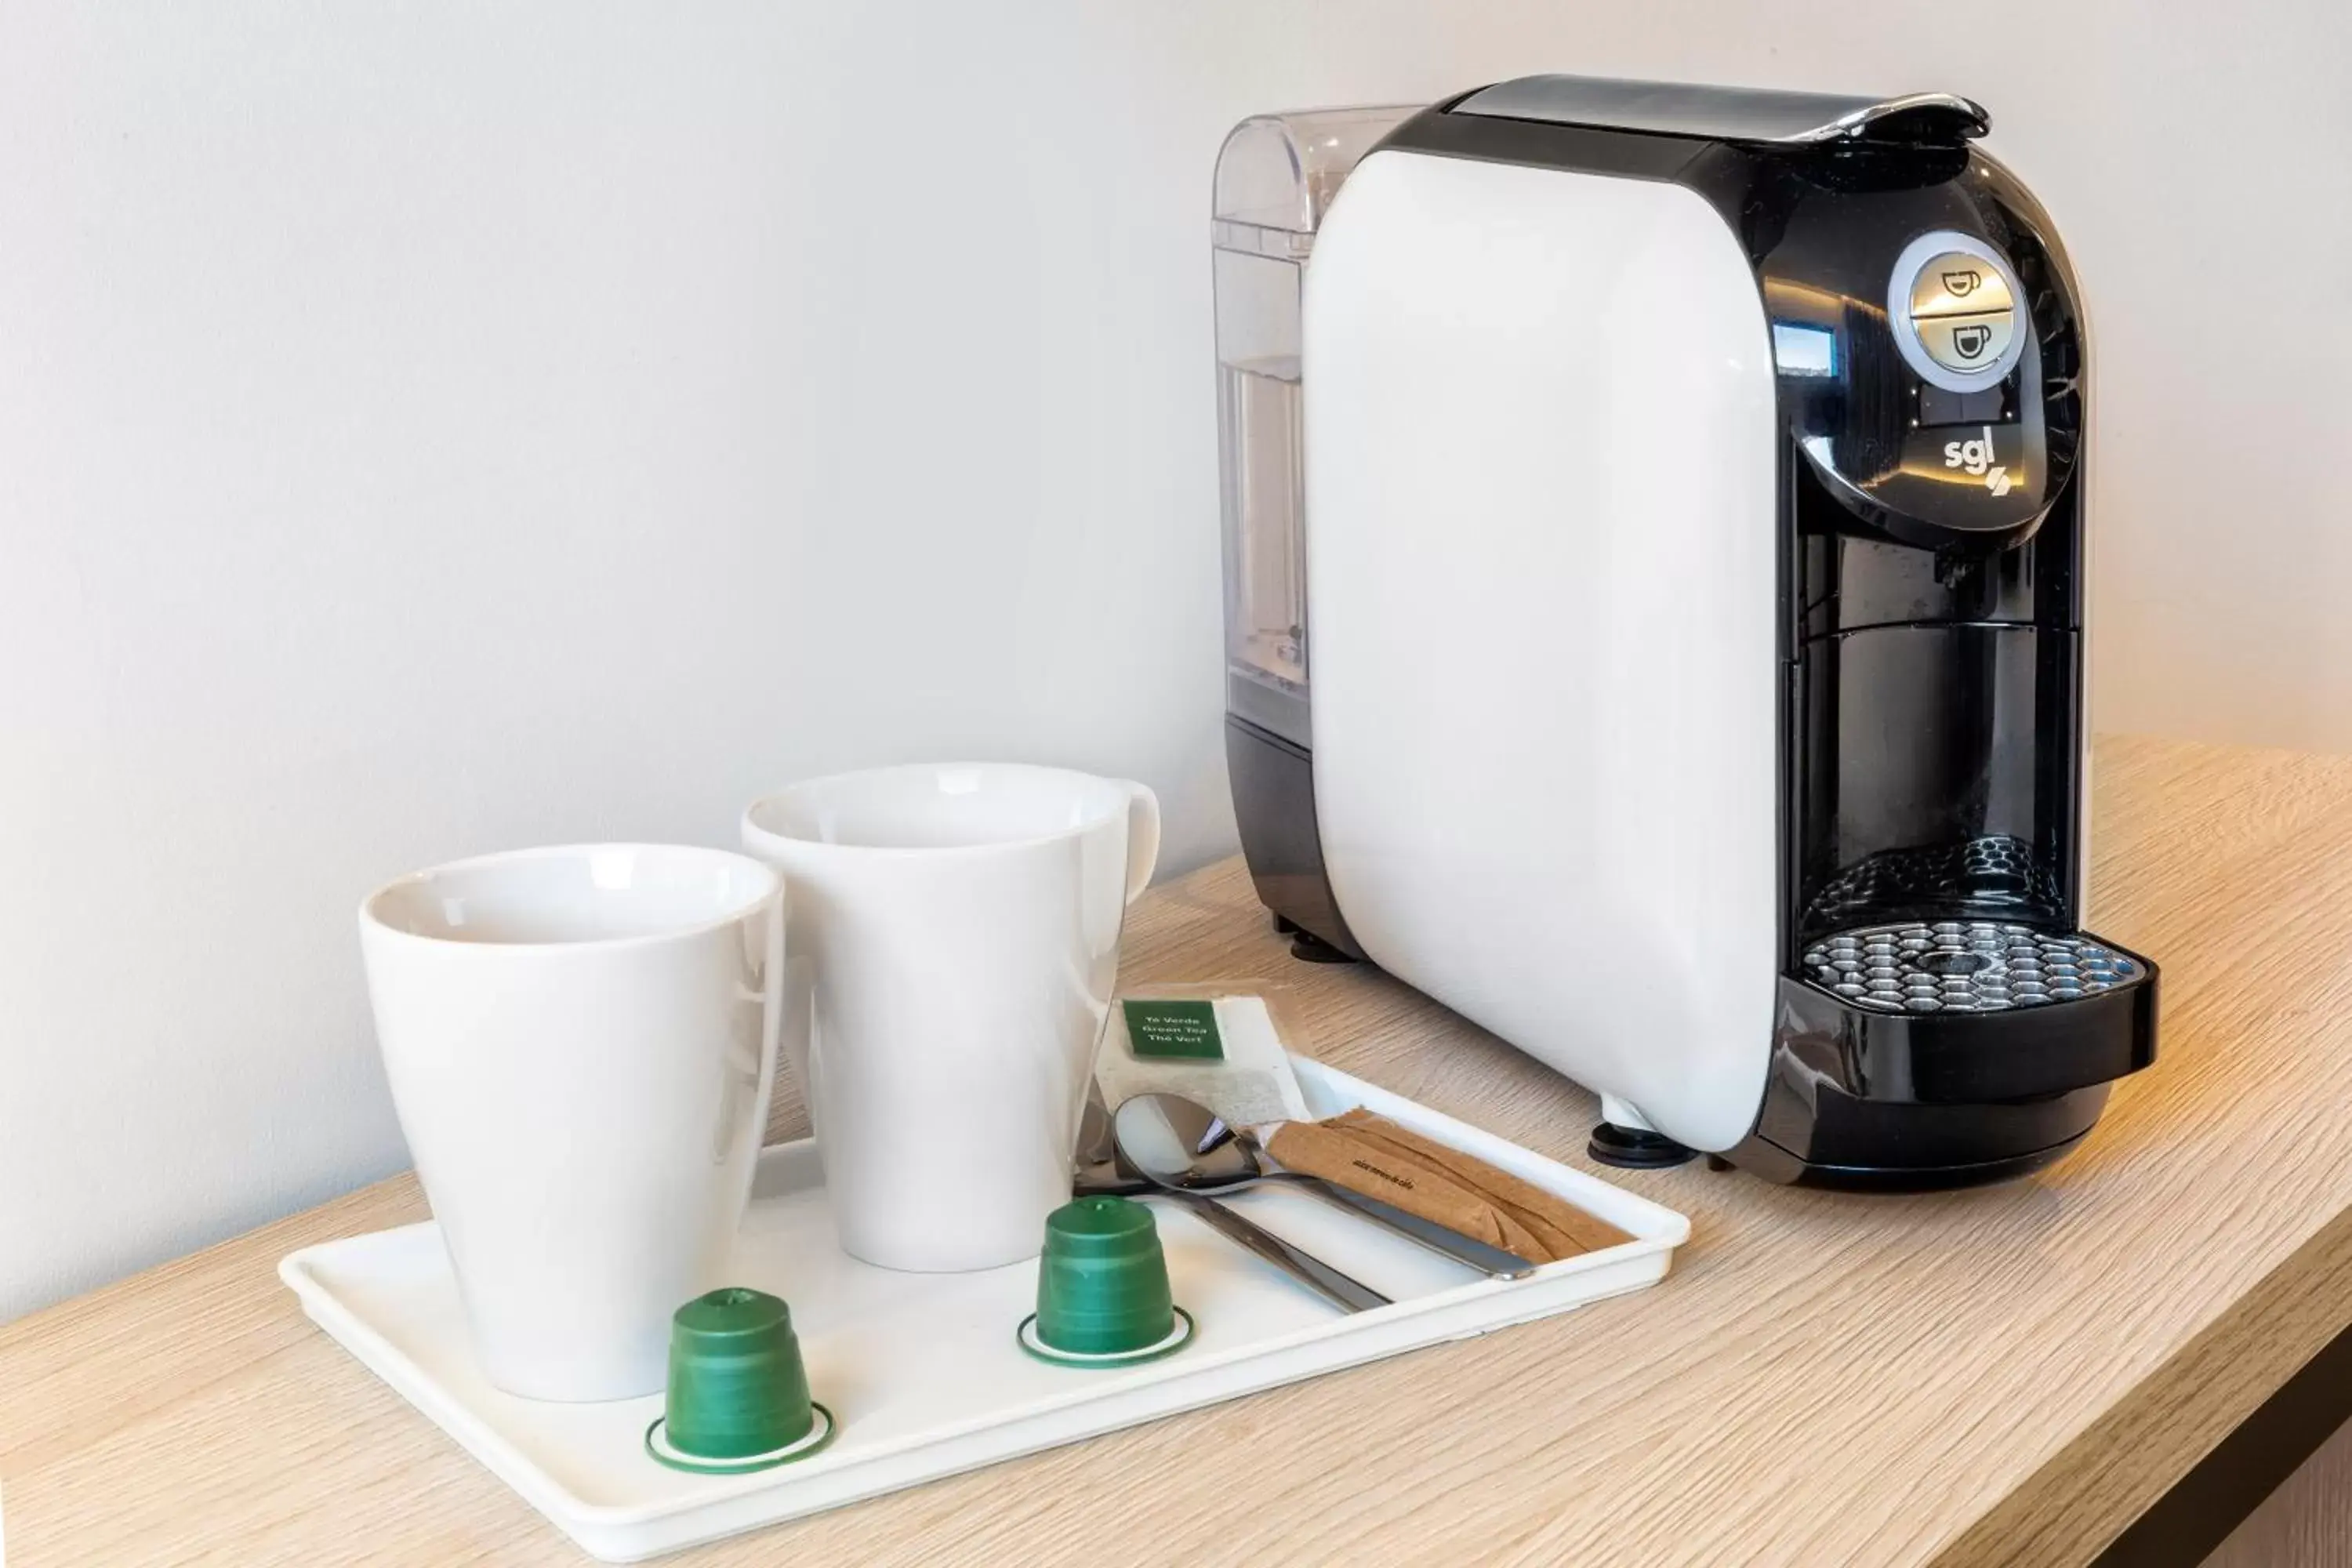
(1801, 350)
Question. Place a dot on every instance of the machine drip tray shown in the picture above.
(1964, 966)
(1928, 1052)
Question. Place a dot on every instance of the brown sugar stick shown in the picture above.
(1589, 1232)
(1372, 1155)
(1348, 1159)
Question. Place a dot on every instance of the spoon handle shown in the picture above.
(1438, 1238)
(1307, 1269)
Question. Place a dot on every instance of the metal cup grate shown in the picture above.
(1962, 966)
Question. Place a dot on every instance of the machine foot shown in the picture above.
(1313, 949)
(1284, 926)
(1635, 1148)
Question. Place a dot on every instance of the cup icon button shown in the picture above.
(1966, 343)
(1956, 283)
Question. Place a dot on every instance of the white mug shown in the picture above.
(954, 941)
(580, 1043)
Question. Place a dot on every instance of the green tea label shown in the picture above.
(1163, 1028)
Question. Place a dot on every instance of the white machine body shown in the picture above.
(1539, 437)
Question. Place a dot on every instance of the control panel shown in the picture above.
(1954, 303)
(1926, 353)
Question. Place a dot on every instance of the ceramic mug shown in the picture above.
(954, 942)
(580, 1043)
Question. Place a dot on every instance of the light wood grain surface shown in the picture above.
(2003, 1377)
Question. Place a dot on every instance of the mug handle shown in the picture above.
(1142, 837)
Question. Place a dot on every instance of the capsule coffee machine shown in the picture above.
(1684, 488)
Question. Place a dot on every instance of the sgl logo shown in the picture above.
(1976, 458)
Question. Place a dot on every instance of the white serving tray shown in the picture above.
(922, 1370)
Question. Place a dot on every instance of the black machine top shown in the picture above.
(1923, 319)
(1747, 114)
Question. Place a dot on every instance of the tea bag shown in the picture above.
(1221, 1048)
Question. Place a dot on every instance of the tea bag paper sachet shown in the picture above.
(1221, 1049)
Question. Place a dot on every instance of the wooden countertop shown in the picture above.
(2002, 1376)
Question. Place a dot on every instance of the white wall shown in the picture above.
(431, 427)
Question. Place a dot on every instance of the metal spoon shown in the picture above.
(1097, 1172)
(1143, 1142)
(1188, 1147)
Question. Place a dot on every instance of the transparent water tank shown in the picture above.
(1276, 176)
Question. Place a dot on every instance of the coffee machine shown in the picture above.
(1655, 538)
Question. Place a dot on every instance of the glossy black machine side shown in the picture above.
(1940, 1020)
